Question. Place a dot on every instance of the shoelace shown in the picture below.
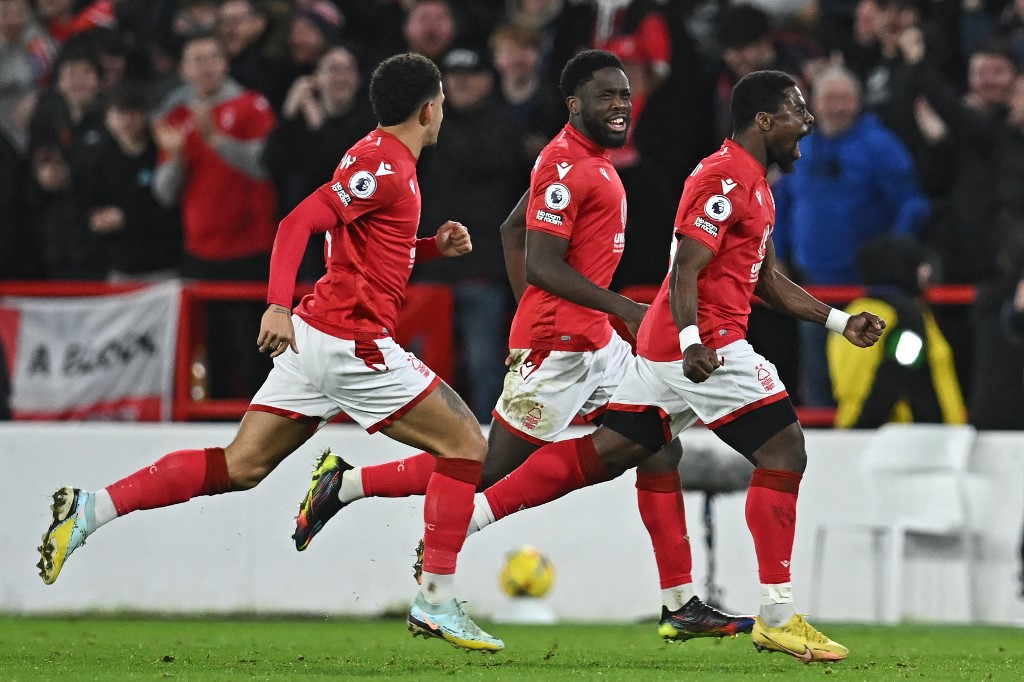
(808, 631)
(467, 622)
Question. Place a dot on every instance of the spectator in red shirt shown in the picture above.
(27, 54)
(211, 133)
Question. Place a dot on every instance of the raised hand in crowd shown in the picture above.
(106, 219)
(302, 98)
(932, 126)
(168, 137)
(52, 171)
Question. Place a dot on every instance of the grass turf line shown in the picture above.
(220, 649)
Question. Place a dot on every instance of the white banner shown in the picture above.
(104, 357)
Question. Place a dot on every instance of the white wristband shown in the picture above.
(837, 320)
(688, 337)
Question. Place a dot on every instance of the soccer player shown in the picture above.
(565, 238)
(693, 360)
(337, 352)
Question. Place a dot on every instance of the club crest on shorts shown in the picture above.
(718, 207)
(556, 196)
(362, 184)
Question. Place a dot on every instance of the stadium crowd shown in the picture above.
(164, 138)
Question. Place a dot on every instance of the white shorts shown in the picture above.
(544, 390)
(375, 381)
(745, 382)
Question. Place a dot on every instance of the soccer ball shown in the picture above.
(526, 573)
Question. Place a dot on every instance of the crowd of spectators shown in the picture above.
(162, 138)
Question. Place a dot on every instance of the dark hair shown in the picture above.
(129, 97)
(756, 92)
(998, 47)
(891, 260)
(196, 37)
(741, 25)
(80, 48)
(580, 69)
(400, 85)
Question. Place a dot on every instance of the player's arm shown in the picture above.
(452, 239)
(311, 216)
(513, 243)
(690, 258)
(547, 269)
(775, 289)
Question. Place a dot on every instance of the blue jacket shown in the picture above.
(843, 192)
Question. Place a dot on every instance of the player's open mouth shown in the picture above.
(617, 124)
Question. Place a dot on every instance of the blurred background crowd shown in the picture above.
(165, 138)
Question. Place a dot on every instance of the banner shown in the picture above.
(104, 357)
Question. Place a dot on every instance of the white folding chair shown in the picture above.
(917, 483)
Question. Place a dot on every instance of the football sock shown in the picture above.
(104, 510)
(482, 514)
(400, 478)
(549, 473)
(172, 479)
(438, 588)
(351, 488)
(771, 518)
(660, 499)
(446, 514)
(675, 598)
(777, 604)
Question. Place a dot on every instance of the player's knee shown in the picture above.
(664, 460)
(470, 445)
(245, 472)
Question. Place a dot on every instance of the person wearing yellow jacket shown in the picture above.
(909, 375)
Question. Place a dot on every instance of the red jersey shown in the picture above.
(371, 248)
(727, 206)
(225, 212)
(575, 194)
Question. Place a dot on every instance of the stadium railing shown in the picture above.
(425, 327)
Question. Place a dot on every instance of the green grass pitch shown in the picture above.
(110, 648)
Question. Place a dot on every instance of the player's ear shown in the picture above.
(764, 120)
(573, 102)
(427, 113)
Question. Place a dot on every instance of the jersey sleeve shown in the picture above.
(710, 205)
(361, 187)
(556, 193)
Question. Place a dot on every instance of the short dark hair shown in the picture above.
(891, 260)
(741, 25)
(580, 69)
(998, 47)
(80, 48)
(400, 85)
(129, 97)
(200, 36)
(756, 92)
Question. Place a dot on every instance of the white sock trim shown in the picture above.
(437, 589)
(780, 593)
(103, 508)
(351, 485)
(482, 514)
(675, 598)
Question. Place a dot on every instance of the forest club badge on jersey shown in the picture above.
(718, 208)
(556, 196)
(362, 184)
